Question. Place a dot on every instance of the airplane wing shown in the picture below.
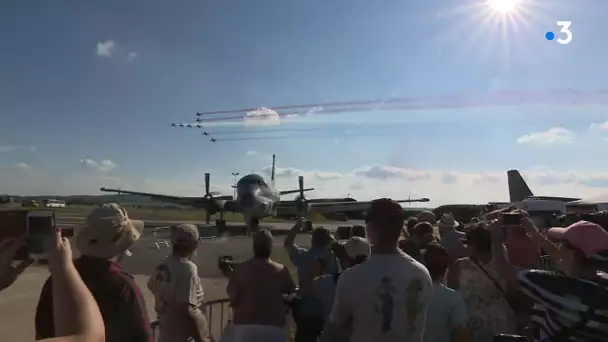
(334, 207)
(287, 192)
(190, 201)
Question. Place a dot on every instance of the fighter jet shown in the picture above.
(173, 125)
(181, 125)
(256, 199)
(198, 114)
(199, 126)
(213, 140)
(189, 125)
(198, 119)
(205, 133)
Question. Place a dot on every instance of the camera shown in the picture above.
(511, 219)
(36, 225)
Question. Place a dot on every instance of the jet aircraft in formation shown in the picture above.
(256, 199)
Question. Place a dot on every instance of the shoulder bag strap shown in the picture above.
(488, 275)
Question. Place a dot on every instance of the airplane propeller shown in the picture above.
(211, 198)
(302, 201)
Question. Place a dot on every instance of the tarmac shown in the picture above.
(18, 302)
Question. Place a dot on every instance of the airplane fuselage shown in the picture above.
(256, 198)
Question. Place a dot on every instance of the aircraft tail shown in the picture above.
(518, 188)
(272, 172)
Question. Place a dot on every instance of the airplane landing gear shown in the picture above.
(220, 224)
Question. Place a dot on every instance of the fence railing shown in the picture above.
(217, 311)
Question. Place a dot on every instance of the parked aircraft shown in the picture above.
(519, 190)
(205, 133)
(256, 199)
(213, 140)
(173, 125)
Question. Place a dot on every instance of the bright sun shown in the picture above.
(503, 6)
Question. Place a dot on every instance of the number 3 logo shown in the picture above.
(565, 29)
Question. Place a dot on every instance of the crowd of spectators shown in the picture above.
(426, 279)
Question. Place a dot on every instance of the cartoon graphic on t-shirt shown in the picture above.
(385, 294)
(163, 278)
(413, 305)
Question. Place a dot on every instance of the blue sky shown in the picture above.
(68, 103)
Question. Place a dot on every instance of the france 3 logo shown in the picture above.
(565, 33)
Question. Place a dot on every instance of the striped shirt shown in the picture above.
(560, 303)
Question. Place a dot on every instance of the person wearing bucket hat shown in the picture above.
(568, 305)
(103, 241)
(451, 239)
(178, 291)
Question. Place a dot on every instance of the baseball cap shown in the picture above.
(589, 237)
(427, 216)
(264, 236)
(356, 246)
(108, 232)
(184, 234)
(385, 209)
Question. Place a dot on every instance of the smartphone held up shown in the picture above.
(37, 226)
(511, 219)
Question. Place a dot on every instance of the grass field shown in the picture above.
(171, 214)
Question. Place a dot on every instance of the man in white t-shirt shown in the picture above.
(385, 298)
(178, 291)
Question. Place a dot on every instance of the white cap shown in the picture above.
(356, 246)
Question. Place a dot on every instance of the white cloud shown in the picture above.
(12, 148)
(364, 183)
(102, 165)
(555, 135)
(16, 166)
(251, 153)
(602, 126)
(21, 166)
(288, 172)
(386, 172)
(106, 49)
(449, 177)
(262, 116)
(131, 56)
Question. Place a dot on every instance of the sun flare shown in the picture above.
(503, 6)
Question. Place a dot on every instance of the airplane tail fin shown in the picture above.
(272, 172)
(518, 188)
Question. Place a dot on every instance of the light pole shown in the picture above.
(234, 174)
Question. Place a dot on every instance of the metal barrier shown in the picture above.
(224, 311)
(212, 309)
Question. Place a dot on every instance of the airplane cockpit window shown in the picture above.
(252, 179)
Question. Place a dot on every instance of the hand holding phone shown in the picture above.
(60, 252)
(8, 252)
(512, 219)
(40, 233)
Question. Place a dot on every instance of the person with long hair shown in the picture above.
(477, 280)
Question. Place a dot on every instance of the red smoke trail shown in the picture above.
(501, 95)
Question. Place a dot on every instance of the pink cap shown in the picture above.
(589, 237)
